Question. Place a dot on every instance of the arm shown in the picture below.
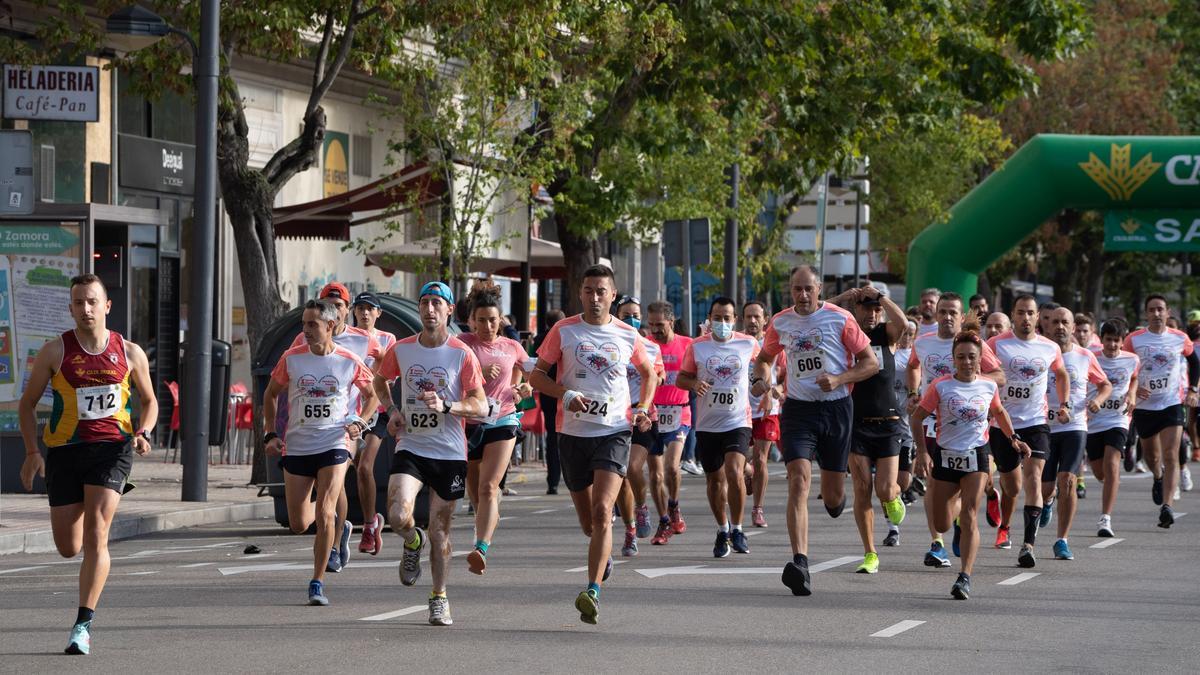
(760, 373)
(1131, 395)
(1004, 423)
(649, 380)
(989, 366)
(139, 367)
(1103, 387)
(1062, 387)
(912, 379)
(473, 404)
(897, 322)
(39, 376)
(270, 396)
(865, 365)
(922, 463)
(689, 381)
(520, 390)
(1193, 377)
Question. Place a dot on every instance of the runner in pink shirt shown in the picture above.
(674, 414)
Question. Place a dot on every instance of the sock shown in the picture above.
(737, 527)
(800, 559)
(482, 546)
(1032, 514)
(672, 504)
(664, 519)
(940, 542)
(723, 527)
(85, 614)
(435, 594)
(893, 527)
(629, 527)
(415, 543)
(594, 589)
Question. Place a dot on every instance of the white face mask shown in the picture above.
(722, 330)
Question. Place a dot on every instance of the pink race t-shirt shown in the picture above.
(509, 355)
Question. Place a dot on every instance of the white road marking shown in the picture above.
(141, 574)
(505, 518)
(1179, 515)
(391, 615)
(519, 499)
(754, 533)
(836, 562)
(1107, 542)
(898, 628)
(656, 572)
(538, 513)
(584, 568)
(1022, 577)
(21, 569)
(198, 564)
(280, 567)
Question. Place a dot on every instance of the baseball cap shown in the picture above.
(438, 289)
(335, 290)
(1193, 315)
(366, 299)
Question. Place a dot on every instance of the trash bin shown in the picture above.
(218, 392)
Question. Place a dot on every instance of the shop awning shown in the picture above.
(545, 258)
(414, 186)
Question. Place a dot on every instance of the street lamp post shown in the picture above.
(134, 28)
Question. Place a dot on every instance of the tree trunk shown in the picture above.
(578, 253)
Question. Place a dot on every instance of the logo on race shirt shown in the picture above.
(112, 357)
(1155, 359)
(1116, 376)
(1118, 178)
(723, 368)
(310, 386)
(939, 364)
(1026, 370)
(598, 358)
(969, 410)
(77, 360)
(807, 341)
(421, 380)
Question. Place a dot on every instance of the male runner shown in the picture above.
(927, 310)
(440, 380)
(997, 323)
(90, 438)
(1159, 414)
(1068, 439)
(629, 310)
(674, 414)
(367, 311)
(1107, 429)
(320, 379)
(592, 351)
(877, 419)
(904, 477)
(1043, 321)
(826, 352)
(1085, 333)
(979, 307)
(1028, 359)
(764, 413)
(717, 368)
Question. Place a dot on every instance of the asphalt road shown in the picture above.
(191, 601)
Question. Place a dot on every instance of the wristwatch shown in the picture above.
(145, 434)
(446, 407)
(1015, 437)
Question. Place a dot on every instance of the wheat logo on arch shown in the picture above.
(1118, 178)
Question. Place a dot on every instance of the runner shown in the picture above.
(1107, 429)
(927, 310)
(764, 413)
(318, 378)
(904, 477)
(491, 437)
(441, 379)
(1068, 439)
(1159, 414)
(979, 307)
(957, 461)
(674, 415)
(931, 358)
(717, 368)
(367, 311)
(877, 420)
(997, 323)
(821, 341)
(1027, 359)
(592, 351)
(629, 310)
(90, 438)
(1044, 312)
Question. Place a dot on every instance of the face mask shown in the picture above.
(633, 321)
(722, 330)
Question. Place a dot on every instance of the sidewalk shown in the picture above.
(155, 506)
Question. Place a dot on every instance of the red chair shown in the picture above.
(173, 436)
(534, 426)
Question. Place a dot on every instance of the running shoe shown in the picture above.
(892, 538)
(749, 484)
(439, 611)
(344, 543)
(721, 546)
(961, 590)
(81, 639)
(737, 539)
(1175, 495)
(797, 578)
(1062, 551)
(1026, 559)
(642, 514)
(410, 560)
(993, 507)
(630, 548)
(588, 605)
(476, 561)
(677, 524)
(1104, 527)
(936, 555)
(373, 544)
(367, 543)
(607, 569)
(1129, 458)
(954, 543)
(837, 510)
(1002, 539)
(316, 593)
(1166, 517)
(663, 535)
(908, 496)
(777, 456)
(1140, 467)
(757, 518)
(1047, 514)
(870, 563)
(918, 485)
(1185, 479)
(551, 490)
(1080, 488)
(1156, 492)
(895, 511)
(691, 467)
(335, 561)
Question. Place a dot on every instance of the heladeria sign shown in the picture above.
(63, 93)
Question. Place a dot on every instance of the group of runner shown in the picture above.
(850, 383)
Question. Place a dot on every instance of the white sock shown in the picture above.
(737, 527)
(893, 527)
(723, 527)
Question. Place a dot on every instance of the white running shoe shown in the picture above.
(690, 467)
(1104, 527)
(1185, 479)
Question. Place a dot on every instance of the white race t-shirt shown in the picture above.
(1163, 371)
(1027, 365)
(962, 410)
(322, 392)
(1083, 369)
(825, 341)
(1120, 370)
(726, 367)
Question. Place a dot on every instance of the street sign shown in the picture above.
(16, 172)
(676, 233)
(67, 93)
(1170, 230)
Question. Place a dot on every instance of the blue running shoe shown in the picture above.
(737, 539)
(344, 544)
(81, 639)
(1047, 514)
(936, 556)
(335, 561)
(954, 542)
(1062, 551)
(721, 547)
(316, 593)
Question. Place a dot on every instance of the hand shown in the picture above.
(922, 465)
(274, 446)
(1143, 393)
(1093, 407)
(1130, 405)
(1192, 399)
(34, 465)
(779, 392)
(912, 402)
(701, 388)
(1063, 415)
(395, 423)
(579, 404)
(431, 399)
(522, 391)
(759, 388)
(828, 382)
(355, 430)
(641, 420)
(140, 445)
(491, 372)
(1022, 448)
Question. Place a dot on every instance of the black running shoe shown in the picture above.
(797, 578)
(1026, 559)
(837, 510)
(892, 538)
(1156, 492)
(962, 588)
(1166, 517)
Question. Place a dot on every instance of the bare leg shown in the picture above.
(735, 489)
(864, 515)
(762, 451)
(297, 491)
(968, 521)
(593, 506)
(1010, 489)
(1067, 502)
(1168, 447)
(799, 475)
(715, 484)
(99, 507)
(625, 503)
(658, 488)
(833, 488)
(364, 471)
(330, 480)
(440, 511)
(674, 476)
(402, 495)
(66, 522)
(636, 473)
(489, 471)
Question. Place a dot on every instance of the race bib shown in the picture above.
(959, 460)
(420, 420)
(99, 402)
(669, 418)
(315, 409)
(494, 411)
(806, 365)
(724, 400)
(930, 427)
(600, 410)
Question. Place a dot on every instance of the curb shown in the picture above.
(124, 527)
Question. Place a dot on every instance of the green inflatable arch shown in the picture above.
(1049, 173)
